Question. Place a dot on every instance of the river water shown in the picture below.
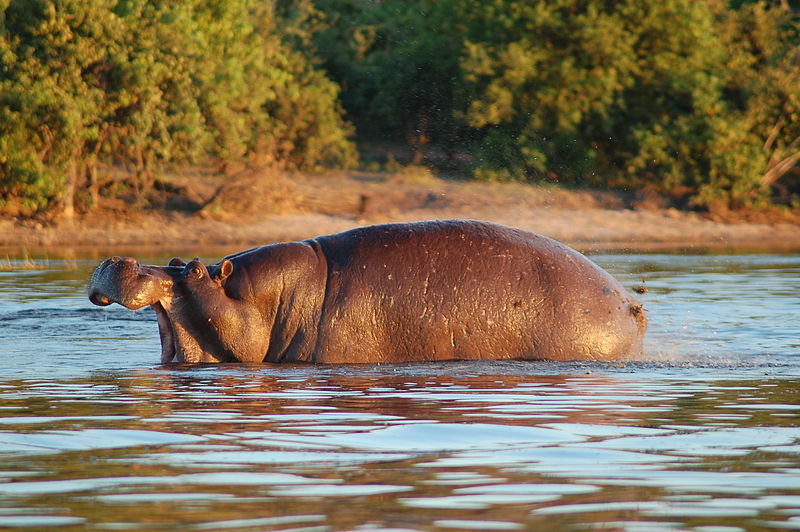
(702, 435)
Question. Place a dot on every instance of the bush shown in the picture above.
(143, 83)
(697, 100)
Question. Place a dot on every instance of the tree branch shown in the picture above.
(773, 134)
(778, 170)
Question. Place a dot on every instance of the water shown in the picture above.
(702, 435)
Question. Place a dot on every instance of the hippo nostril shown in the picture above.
(99, 299)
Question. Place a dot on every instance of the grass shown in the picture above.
(26, 262)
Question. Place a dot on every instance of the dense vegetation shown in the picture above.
(697, 100)
(694, 100)
(138, 83)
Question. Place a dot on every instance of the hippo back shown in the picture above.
(468, 290)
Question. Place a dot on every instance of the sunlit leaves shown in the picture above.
(142, 84)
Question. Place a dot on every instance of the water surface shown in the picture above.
(701, 435)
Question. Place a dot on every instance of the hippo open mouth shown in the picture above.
(193, 326)
(132, 285)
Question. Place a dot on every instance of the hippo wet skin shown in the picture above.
(440, 290)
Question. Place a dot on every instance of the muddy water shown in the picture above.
(703, 435)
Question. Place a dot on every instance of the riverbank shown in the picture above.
(195, 213)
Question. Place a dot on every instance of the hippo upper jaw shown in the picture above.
(132, 285)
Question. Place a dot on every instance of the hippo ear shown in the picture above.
(225, 269)
(196, 269)
(175, 261)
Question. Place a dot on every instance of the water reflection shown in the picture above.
(219, 444)
(701, 436)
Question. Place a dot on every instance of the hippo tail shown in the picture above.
(639, 315)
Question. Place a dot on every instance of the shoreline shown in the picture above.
(585, 230)
(317, 205)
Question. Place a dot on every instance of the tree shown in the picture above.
(48, 99)
(398, 65)
(696, 100)
(763, 88)
(143, 83)
(597, 91)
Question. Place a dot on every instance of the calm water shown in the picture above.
(702, 435)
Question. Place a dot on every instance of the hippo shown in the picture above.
(390, 293)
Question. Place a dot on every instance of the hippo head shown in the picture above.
(197, 321)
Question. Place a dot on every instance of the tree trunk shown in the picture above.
(94, 192)
(70, 187)
(418, 138)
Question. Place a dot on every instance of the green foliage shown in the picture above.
(637, 92)
(756, 141)
(398, 65)
(699, 100)
(693, 99)
(142, 83)
(45, 100)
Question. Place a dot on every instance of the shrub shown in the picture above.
(144, 83)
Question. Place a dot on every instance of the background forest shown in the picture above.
(696, 101)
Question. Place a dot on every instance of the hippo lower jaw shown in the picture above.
(178, 345)
(169, 344)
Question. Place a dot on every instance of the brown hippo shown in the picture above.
(439, 290)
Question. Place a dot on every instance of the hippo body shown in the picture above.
(440, 290)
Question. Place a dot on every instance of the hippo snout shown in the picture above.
(105, 280)
(123, 280)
